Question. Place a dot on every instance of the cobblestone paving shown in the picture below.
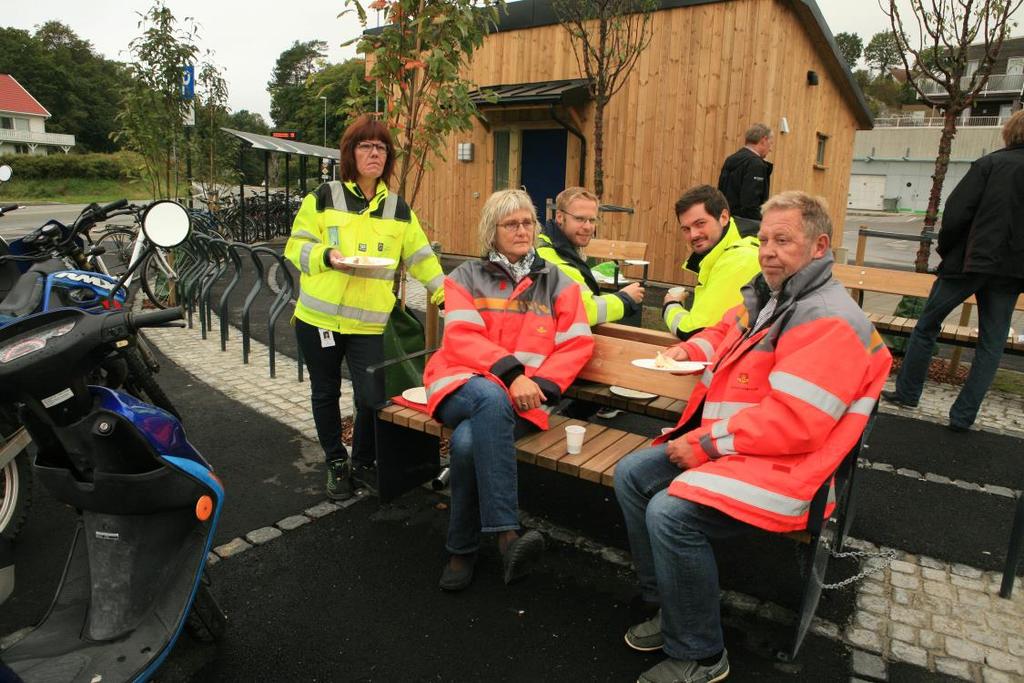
(946, 618)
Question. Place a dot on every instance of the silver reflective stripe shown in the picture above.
(338, 197)
(575, 330)
(601, 310)
(435, 284)
(530, 360)
(445, 381)
(755, 496)
(715, 410)
(421, 254)
(467, 315)
(720, 428)
(390, 205)
(382, 273)
(307, 249)
(725, 445)
(705, 346)
(328, 308)
(675, 316)
(862, 406)
(809, 392)
(705, 379)
(306, 234)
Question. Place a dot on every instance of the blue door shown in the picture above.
(542, 167)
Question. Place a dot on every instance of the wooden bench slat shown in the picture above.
(387, 413)
(526, 448)
(419, 421)
(592, 446)
(550, 457)
(608, 477)
(595, 467)
(401, 418)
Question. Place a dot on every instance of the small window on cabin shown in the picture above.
(819, 159)
(502, 139)
(6, 123)
(20, 124)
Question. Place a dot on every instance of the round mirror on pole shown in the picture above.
(166, 223)
(5, 173)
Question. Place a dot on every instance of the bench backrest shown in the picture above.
(616, 250)
(889, 281)
(611, 364)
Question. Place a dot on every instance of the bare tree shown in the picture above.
(938, 53)
(608, 37)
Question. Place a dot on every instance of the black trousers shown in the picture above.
(324, 364)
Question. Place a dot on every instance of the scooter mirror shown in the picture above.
(5, 173)
(166, 224)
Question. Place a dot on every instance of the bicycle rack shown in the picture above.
(277, 306)
(254, 291)
(222, 307)
(189, 278)
(220, 263)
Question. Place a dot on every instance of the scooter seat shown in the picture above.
(25, 296)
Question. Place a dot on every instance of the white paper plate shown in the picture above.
(415, 395)
(630, 393)
(636, 262)
(367, 261)
(683, 367)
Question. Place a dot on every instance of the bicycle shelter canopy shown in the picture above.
(272, 144)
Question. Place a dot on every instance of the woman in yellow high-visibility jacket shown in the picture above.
(347, 241)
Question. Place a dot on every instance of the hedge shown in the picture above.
(116, 166)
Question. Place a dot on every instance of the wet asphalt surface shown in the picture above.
(354, 597)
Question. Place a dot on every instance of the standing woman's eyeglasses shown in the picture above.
(367, 147)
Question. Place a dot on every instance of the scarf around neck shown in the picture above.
(517, 270)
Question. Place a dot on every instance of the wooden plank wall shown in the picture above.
(710, 71)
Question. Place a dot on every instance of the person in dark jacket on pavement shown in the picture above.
(981, 243)
(745, 178)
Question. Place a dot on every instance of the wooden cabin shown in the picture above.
(712, 69)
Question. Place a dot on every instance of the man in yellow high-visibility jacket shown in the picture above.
(722, 259)
(560, 243)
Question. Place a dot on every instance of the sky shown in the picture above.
(247, 38)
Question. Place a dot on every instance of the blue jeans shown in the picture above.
(996, 297)
(484, 484)
(675, 564)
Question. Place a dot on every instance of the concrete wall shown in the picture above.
(906, 157)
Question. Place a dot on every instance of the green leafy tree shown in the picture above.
(152, 111)
(289, 90)
(944, 30)
(415, 64)
(608, 37)
(252, 164)
(883, 52)
(348, 94)
(851, 46)
(210, 144)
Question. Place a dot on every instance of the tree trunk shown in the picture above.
(599, 147)
(939, 177)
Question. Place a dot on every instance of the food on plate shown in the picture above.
(663, 361)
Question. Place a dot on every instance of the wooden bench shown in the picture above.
(408, 443)
(619, 252)
(860, 279)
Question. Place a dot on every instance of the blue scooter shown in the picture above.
(149, 503)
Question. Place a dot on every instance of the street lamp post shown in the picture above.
(324, 98)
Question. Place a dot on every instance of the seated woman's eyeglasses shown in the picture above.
(512, 226)
(368, 147)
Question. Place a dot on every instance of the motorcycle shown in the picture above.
(50, 268)
(148, 502)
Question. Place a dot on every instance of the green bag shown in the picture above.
(403, 335)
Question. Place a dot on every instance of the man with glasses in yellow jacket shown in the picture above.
(723, 260)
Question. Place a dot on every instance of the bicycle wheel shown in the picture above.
(118, 244)
(156, 281)
(142, 384)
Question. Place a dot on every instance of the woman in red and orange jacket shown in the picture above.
(516, 335)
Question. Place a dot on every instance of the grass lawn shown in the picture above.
(73, 191)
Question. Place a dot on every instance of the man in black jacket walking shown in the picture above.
(745, 179)
(981, 243)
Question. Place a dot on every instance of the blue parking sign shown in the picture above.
(188, 82)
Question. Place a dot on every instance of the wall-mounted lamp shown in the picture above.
(783, 125)
(465, 151)
(812, 78)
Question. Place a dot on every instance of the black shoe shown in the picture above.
(339, 485)
(453, 580)
(893, 397)
(364, 475)
(957, 428)
(521, 555)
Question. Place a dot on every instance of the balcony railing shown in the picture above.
(997, 84)
(937, 121)
(29, 137)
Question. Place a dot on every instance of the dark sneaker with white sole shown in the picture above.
(646, 636)
(339, 484)
(681, 671)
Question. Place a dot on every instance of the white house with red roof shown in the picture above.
(23, 122)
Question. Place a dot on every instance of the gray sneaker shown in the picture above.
(679, 671)
(646, 636)
(339, 479)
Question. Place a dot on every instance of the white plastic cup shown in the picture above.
(666, 430)
(677, 291)
(574, 438)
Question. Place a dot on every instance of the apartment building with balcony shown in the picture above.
(23, 123)
(1003, 92)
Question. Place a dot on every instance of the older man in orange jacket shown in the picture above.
(794, 373)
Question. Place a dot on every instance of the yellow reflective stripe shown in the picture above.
(808, 392)
(673, 314)
(338, 196)
(328, 308)
(435, 283)
(421, 254)
(575, 330)
(491, 303)
(705, 346)
(749, 494)
(722, 410)
(466, 315)
(600, 309)
(307, 249)
(862, 406)
(390, 206)
(445, 381)
(306, 234)
(529, 359)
